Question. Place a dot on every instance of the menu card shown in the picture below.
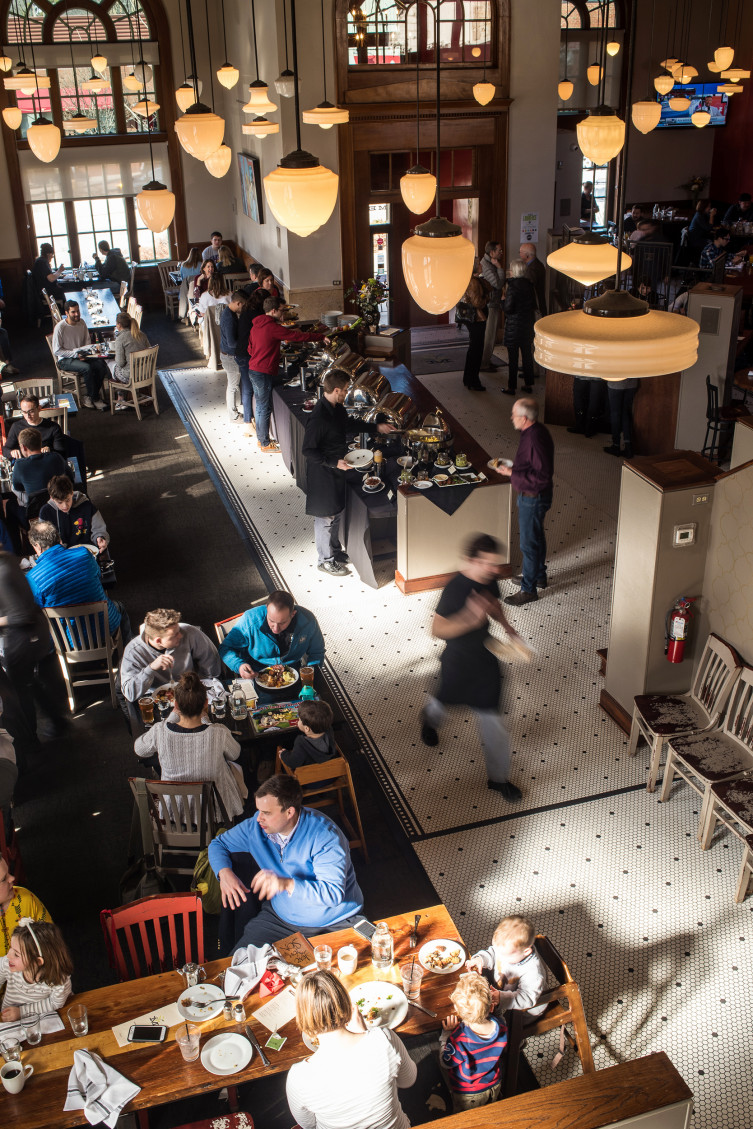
(279, 1011)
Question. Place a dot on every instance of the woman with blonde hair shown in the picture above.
(351, 1081)
(129, 339)
(189, 269)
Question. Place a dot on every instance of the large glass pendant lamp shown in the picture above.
(300, 192)
(663, 83)
(735, 74)
(418, 186)
(723, 57)
(588, 259)
(145, 107)
(200, 131)
(260, 127)
(484, 91)
(613, 47)
(95, 84)
(679, 103)
(565, 87)
(616, 336)
(44, 139)
(326, 114)
(131, 82)
(219, 162)
(27, 81)
(645, 115)
(258, 98)
(5, 62)
(700, 118)
(601, 135)
(12, 117)
(78, 122)
(185, 96)
(437, 258)
(98, 62)
(227, 75)
(156, 205)
(594, 73)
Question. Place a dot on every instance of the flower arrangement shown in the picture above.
(695, 186)
(366, 296)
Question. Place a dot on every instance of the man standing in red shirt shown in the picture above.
(264, 360)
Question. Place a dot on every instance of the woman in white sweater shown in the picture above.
(351, 1081)
(189, 748)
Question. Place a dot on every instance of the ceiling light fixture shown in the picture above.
(260, 127)
(723, 57)
(44, 136)
(646, 114)
(326, 114)
(12, 117)
(300, 192)
(286, 80)
(258, 99)
(588, 258)
(228, 75)
(78, 122)
(483, 91)
(219, 162)
(200, 130)
(418, 185)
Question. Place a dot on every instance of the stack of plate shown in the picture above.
(330, 318)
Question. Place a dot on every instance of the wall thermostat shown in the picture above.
(683, 535)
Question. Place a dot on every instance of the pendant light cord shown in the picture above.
(36, 80)
(224, 30)
(253, 24)
(209, 53)
(73, 68)
(146, 99)
(436, 59)
(651, 49)
(324, 56)
(418, 119)
(182, 40)
(294, 39)
(192, 50)
(623, 169)
(285, 26)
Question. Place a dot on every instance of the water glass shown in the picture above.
(219, 708)
(323, 958)
(78, 1019)
(33, 1030)
(188, 1037)
(412, 975)
(164, 708)
(11, 1050)
(347, 959)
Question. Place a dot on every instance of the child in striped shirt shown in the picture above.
(471, 1045)
(36, 971)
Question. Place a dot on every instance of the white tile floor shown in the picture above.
(645, 919)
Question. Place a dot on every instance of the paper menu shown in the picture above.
(279, 1011)
(169, 1015)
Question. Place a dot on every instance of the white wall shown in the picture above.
(534, 61)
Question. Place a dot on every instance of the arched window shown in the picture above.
(391, 32)
(591, 14)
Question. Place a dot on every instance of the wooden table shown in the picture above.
(161, 1071)
(110, 309)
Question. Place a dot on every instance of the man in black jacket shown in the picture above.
(325, 445)
(50, 432)
(112, 266)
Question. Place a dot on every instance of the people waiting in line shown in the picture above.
(471, 1045)
(189, 748)
(36, 971)
(212, 251)
(112, 266)
(163, 650)
(61, 577)
(129, 338)
(315, 744)
(520, 316)
(43, 275)
(493, 271)
(70, 344)
(276, 632)
(475, 300)
(74, 515)
(305, 881)
(535, 272)
(353, 1077)
(229, 322)
(50, 431)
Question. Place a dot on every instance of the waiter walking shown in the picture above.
(470, 674)
(531, 474)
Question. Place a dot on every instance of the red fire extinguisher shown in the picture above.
(678, 625)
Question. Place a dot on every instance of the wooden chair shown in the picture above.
(170, 291)
(81, 634)
(132, 304)
(67, 381)
(138, 313)
(320, 781)
(185, 817)
(564, 1009)
(142, 385)
(731, 804)
(703, 759)
(123, 296)
(717, 420)
(53, 307)
(59, 415)
(239, 1120)
(659, 717)
(235, 281)
(134, 949)
(223, 627)
(43, 388)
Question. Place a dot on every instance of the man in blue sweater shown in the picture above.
(275, 632)
(305, 880)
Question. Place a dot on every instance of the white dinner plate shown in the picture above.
(441, 947)
(206, 1002)
(359, 458)
(227, 1053)
(389, 998)
(423, 484)
(264, 680)
(494, 463)
(308, 1042)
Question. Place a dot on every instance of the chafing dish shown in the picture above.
(435, 421)
(366, 389)
(431, 439)
(394, 408)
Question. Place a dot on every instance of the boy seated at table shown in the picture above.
(516, 968)
(315, 743)
(471, 1045)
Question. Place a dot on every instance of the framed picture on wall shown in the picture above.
(250, 173)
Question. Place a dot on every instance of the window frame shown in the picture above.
(425, 64)
(72, 233)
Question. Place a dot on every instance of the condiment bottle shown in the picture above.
(239, 1014)
(378, 463)
(227, 1010)
(381, 947)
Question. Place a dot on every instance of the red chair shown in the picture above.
(224, 1121)
(127, 934)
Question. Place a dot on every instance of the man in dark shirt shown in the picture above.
(112, 266)
(469, 672)
(33, 470)
(45, 278)
(50, 432)
(536, 274)
(742, 210)
(253, 278)
(632, 219)
(531, 475)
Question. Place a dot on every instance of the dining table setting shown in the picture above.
(226, 1025)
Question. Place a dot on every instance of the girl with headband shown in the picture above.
(36, 972)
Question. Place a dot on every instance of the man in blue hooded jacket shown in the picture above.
(275, 632)
(305, 881)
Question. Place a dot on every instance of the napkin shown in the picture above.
(249, 965)
(49, 1024)
(215, 689)
(98, 1089)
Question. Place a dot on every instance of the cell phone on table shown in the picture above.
(147, 1033)
(364, 928)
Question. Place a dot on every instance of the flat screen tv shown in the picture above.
(702, 95)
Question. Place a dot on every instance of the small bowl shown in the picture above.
(371, 482)
(441, 479)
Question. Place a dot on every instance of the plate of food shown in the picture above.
(404, 461)
(441, 479)
(494, 463)
(441, 956)
(164, 693)
(359, 458)
(269, 719)
(372, 484)
(227, 1053)
(203, 1001)
(380, 1003)
(277, 677)
(423, 484)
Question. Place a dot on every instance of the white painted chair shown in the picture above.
(142, 386)
(81, 634)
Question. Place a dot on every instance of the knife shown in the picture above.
(255, 1043)
(425, 1010)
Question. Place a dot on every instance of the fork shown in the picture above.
(414, 934)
